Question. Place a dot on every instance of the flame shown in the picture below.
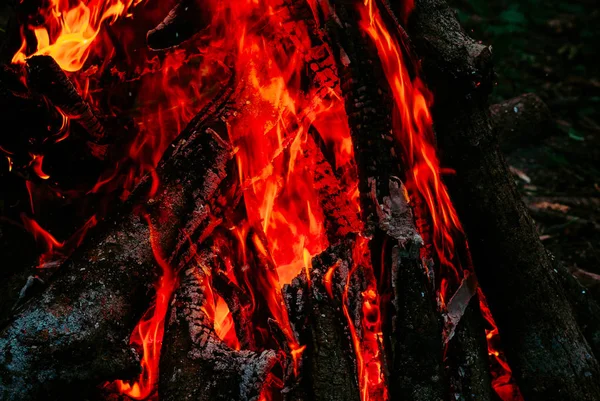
(54, 250)
(502, 380)
(69, 30)
(217, 311)
(148, 333)
(266, 52)
(366, 346)
(413, 129)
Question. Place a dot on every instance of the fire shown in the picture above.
(366, 347)
(54, 250)
(413, 128)
(148, 334)
(266, 54)
(69, 30)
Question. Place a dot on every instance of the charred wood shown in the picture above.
(545, 347)
(47, 78)
(416, 327)
(414, 338)
(195, 363)
(467, 358)
(75, 334)
(183, 21)
(316, 311)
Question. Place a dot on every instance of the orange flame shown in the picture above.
(68, 30)
(366, 346)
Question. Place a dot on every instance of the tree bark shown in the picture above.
(549, 356)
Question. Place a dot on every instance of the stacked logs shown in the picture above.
(74, 335)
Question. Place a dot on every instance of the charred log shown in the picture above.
(467, 358)
(75, 334)
(415, 342)
(195, 363)
(549, 356)
(316, 310)
(47, 78)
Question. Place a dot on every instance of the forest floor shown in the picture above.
(548, 48)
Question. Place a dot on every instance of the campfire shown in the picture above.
(253, 200)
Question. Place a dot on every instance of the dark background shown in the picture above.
(546, 47)
(549, 48)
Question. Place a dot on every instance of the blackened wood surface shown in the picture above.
(329, 366)
(467, 358)
(195, 364)
(413, 342)
(75, 334)
(544, 345)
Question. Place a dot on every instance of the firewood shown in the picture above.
(195, 363)
(416, 328)
(316, 311)
(545, 347)
(467, 358)
(522, 120)
(415, 333)
(47, 78)
(75, 334)
(183, 21)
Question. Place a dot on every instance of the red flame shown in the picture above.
(266, 52)
(148, 334)
(366, 347)
(413, 128)
(55, 250)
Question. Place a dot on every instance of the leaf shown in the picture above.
(574, 135)
(513, 16)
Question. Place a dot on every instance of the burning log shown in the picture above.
(195, 363)
(317, 312)
(521, 120)
(467, 358)
(416, 329)
(75, 334)
(544, 345)
(183, 21)
(47, 78)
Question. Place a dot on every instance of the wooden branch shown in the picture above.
(549, 355)
(75, 334)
